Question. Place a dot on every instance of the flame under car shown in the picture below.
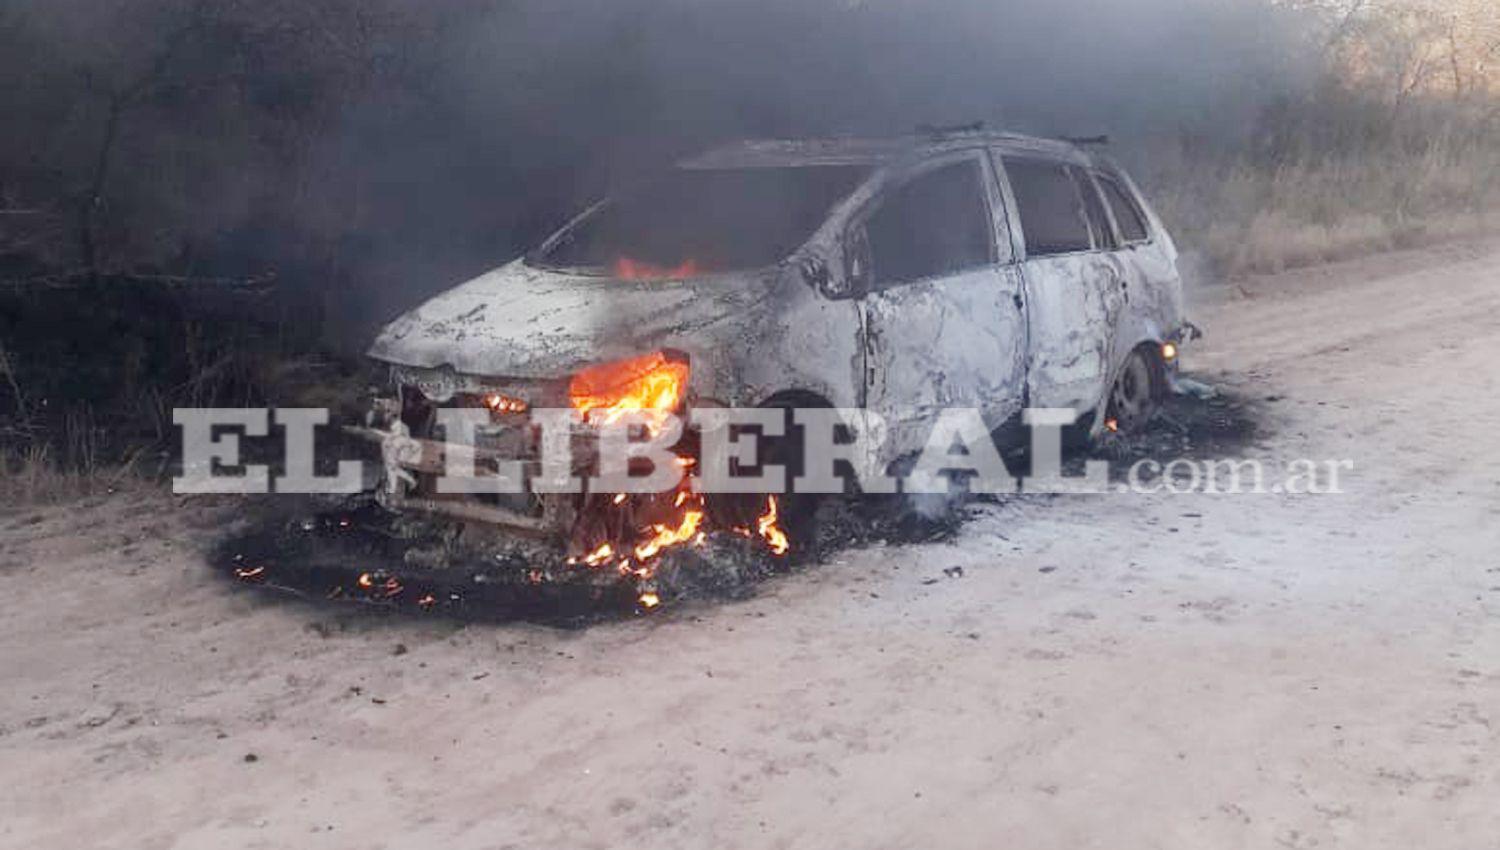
(904, 277)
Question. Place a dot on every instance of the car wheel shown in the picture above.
(1134, 399)
(797, 511)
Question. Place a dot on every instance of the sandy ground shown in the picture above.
(1187, 671)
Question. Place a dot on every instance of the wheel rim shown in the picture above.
(1132, 401)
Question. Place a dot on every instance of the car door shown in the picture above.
(942, 319)
(1150, 261)
(1074, 285)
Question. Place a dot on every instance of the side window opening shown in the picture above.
(937, 224)
(1128, 214)
(1093, 208)
(1053, 213)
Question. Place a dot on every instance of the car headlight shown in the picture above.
(654, 382)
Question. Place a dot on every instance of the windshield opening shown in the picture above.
(697, 222)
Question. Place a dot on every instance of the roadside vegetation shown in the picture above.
(1394, 143)
(216, 201)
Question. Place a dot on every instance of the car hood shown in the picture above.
(523, 322)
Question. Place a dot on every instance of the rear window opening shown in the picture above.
(1128, 215)
(697, 222)
(1093, 208)
(1054, 215)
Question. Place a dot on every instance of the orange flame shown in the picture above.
(770, 532)
(655, 382)
(504, 404)
(627, 268)
(666, 536)
(636, 553)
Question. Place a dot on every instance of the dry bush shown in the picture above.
(29, 477)
(1244, 216)
(1396, 143)
(40, 466)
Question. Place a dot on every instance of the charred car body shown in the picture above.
(974, 270)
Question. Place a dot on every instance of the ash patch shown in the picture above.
(890, 521)
(356, 552)
(1226, 425)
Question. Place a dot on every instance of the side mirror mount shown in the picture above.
(815, 273)
(834, 287)
(858, 262)
(852, 281)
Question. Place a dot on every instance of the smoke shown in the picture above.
(534, 107)
(438, 138)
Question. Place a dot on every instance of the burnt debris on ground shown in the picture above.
(1224, 425)
(357, 552)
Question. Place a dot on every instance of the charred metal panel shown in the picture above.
(1074, 302)
(954, 342)
(525, 322)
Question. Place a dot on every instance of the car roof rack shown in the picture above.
(939, 132)
(1086, 141)
(848, 150)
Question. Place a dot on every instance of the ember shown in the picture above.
(504, 404)
(629, 269)
(600, 556)
(388, 587)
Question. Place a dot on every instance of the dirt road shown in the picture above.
(1128, 671)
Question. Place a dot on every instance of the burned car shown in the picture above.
(964, 270)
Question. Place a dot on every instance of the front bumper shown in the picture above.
(413, 465)
(414, 454)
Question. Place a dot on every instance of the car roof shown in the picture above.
(805, 153)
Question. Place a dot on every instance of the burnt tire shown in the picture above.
(1135, 397)
(797, 512)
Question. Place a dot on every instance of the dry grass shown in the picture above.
(32, 477)
(29, 477)
(1247, 218)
